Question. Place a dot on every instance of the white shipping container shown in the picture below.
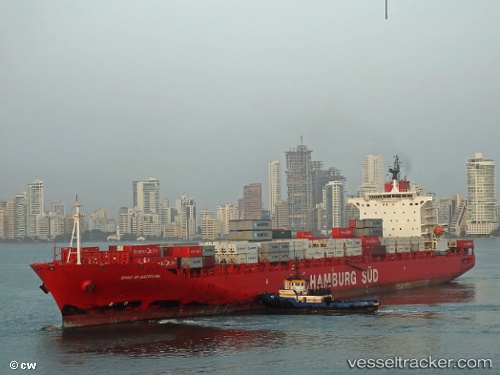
(339, 253)
(253, 258)
(299, 244)
(353, 251)
(390, 248)
(314, 253)
(253, 247)
(284, 256)
(240, 258)
(208, 250)
(274, 257)
(330, 253)
(269, 246)
(283, 245)
(296, 254)
(404, 248)
(219, 258)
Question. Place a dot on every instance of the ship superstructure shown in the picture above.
(405, 211)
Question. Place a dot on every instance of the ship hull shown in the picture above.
(94, 294)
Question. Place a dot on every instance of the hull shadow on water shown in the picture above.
(156, 339)
(453, 292)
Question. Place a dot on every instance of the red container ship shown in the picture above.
(153, 281)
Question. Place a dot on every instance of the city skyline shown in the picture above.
(202, 96)
(316, 200)
(155, 189)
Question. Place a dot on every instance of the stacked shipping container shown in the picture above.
(250, 230)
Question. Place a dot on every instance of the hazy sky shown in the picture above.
(203, 94)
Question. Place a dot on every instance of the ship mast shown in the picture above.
(396, 170)
(76, 230)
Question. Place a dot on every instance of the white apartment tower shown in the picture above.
(273, 173)
(210, 226)
(186, 217)
(146, 196)
(225, 213)
(334, 206)
(373, 174)
(481, 212)
(35, 207)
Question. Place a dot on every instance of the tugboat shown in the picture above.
(296, 297)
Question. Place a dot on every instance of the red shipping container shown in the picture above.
(141, 260)
(342, 232)
(209, 261)
(153, 251)
(379, 250)
(308, 235)
(167, 262)
(352, 223)
(367, 249)
(370, 241)
(166, 251)
(187, 251)
(141, 247)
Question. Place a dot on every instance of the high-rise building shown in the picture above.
(210, 226)
(3, 219)
(281, 215)
(35, 208)
(16, 216)
(252, 202)
(56, 218)
(299, 188)
(373, 175)
(373, 171)
(146, 195)
(101, 221)
(58, 208)
(334, 206)
(320, 177)
(481, 213)
(458, 209)
(186, 217)
(274, 181)
(225, 213)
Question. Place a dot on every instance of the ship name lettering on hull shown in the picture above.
(140, 277)
(345, 278)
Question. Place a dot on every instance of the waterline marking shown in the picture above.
(413, 363)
